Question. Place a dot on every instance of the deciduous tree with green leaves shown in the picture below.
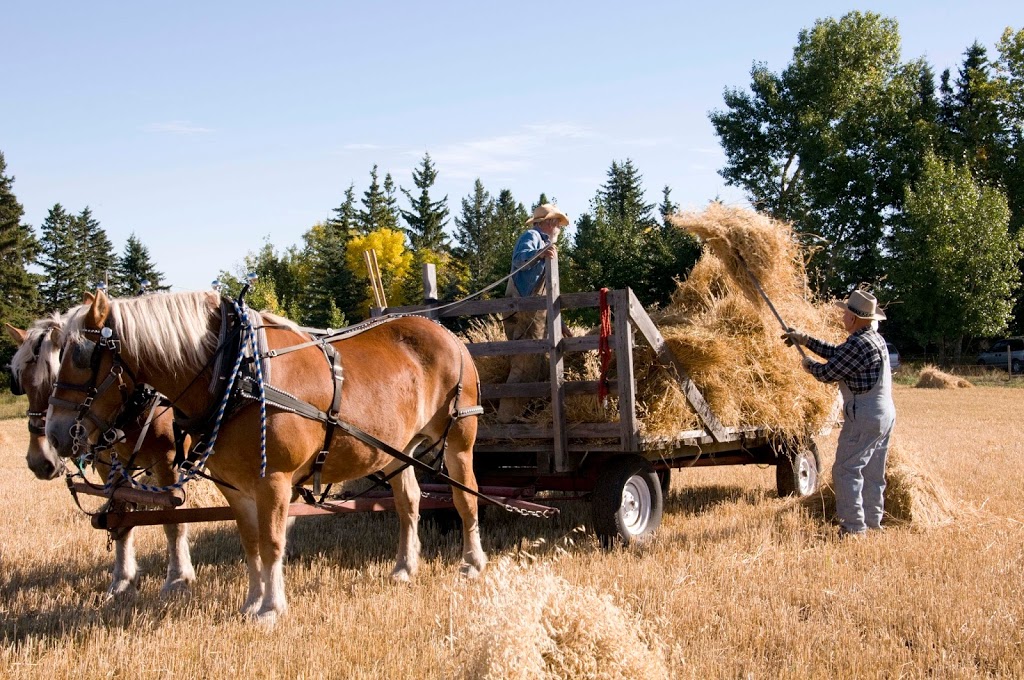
(830, 142)
(954, 262)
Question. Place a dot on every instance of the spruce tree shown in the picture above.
(471, 235)
(18, 248)
(378, 211)
(970, 110)
(62, 258)
(427, 218)
(508, 221)
(99, 256)
(135, 266)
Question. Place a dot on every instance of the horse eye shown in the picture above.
(81, 355)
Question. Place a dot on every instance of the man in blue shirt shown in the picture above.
(543, 230)
(861, 367)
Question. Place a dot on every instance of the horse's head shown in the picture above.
(92, 383)
(33, 372)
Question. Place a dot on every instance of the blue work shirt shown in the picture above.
(527, 246)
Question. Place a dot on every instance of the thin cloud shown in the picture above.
(177, 127)
(508, 154)
(362, 146)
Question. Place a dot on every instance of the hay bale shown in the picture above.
(913, 497)
(933, 378)
(559, 630)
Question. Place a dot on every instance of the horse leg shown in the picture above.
(273, 494)
(180, 573)
(246, 518)
(459, 460)
(407, 505)
(124, 579)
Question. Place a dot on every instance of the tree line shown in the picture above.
(891, 177)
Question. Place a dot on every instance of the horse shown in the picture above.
(405, 383)
(33, 373)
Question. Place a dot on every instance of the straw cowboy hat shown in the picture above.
(547, 211)
(862, 305)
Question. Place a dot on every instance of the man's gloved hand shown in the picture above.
(795, 337)
(807, 363)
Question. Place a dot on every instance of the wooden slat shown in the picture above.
(541, 389)
(559, 441)
(500, 347)
(583, 343)
(693, 396)
(531, 431)
(628, 425)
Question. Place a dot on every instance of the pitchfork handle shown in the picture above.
(757, 284)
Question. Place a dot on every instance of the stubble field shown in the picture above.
(738, 583)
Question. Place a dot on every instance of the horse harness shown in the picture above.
(246, 388)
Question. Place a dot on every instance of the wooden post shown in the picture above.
(430, 287)
(628, 425)
(559, 440)
(370, 273)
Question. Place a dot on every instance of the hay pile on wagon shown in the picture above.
(720, 330)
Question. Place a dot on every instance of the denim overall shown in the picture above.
(859, 470)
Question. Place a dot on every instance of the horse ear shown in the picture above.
(98, 311)
(88, 298)
(16, 334)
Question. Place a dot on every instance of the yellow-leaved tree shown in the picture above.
(393, 259)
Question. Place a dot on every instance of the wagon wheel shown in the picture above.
(796, 471)
(627, 501)
(1016, 366)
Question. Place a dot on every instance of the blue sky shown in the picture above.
(206, 128)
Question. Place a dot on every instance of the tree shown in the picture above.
(393, 260)
(330, 290)
(18, 248)
(135, 266)
(99, 257)
(954, 262)
(507, 222)
(472, 236)
(427, 218)
(830, 143)
(969, 111)
(62, 258)
(379, 209)
(620, 243)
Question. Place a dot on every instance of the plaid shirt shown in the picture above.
(858, 361)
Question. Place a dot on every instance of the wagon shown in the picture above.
(524, 466)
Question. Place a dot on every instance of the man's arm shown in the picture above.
(844, 362)
(825, 350)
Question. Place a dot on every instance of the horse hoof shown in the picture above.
(401, 576)
(122, 588)
(250, 610)
(267, 619)
(471, 571)
(178, 586)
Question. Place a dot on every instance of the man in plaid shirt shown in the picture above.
(861, 367)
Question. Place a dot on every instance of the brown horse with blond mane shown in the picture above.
(404, 380)
(33, 373)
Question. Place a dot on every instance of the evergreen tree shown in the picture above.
(330, 292)
(427, 218)
(668, 206)
(970, 111)
(18, 248)
(133, 267)
(620, 244)
(471, 235)
(379, 207)
(508, 220)
(346, 215)
(62, 258)
(99, 257)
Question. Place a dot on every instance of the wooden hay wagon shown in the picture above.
(623, 473)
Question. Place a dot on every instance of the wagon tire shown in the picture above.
(1015, 365)
(797, 470)
(627, 502)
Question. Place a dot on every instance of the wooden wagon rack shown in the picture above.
(623, 472)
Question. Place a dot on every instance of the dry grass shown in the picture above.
(932, 377)
(738, 583)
